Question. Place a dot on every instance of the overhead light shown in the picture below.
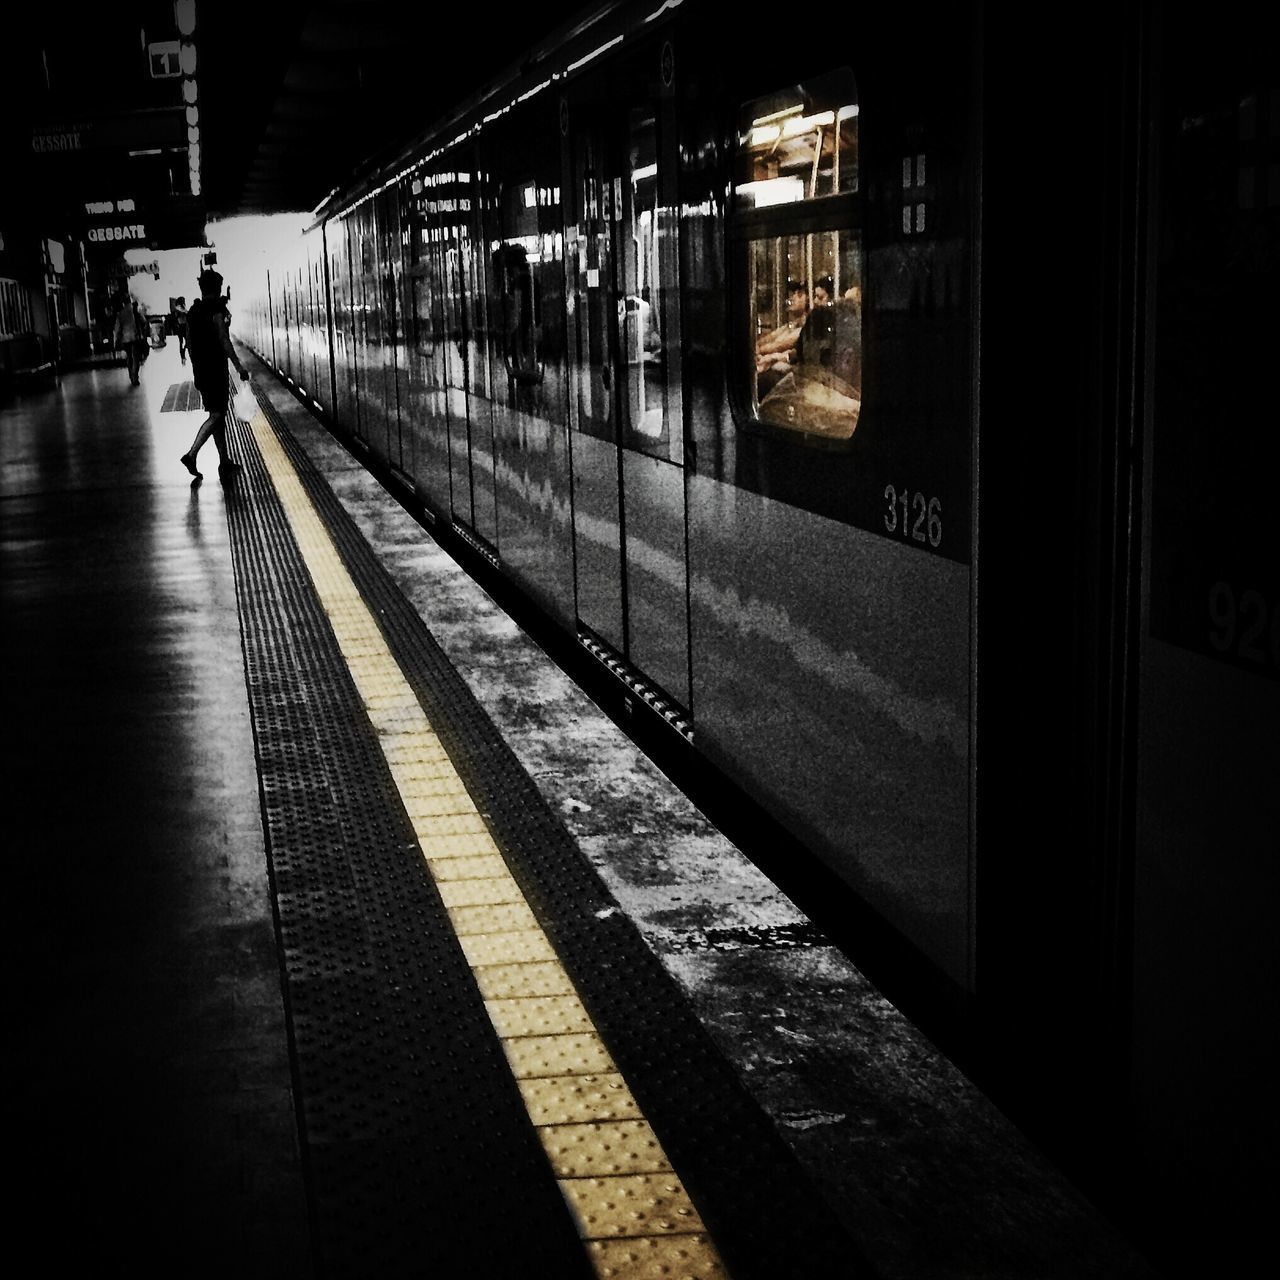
(193, 115)
(189, 90)
(794, 110)
(187, 58)
(193, 133)
(184, 14)
(771, 191)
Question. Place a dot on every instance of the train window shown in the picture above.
(798, 144)
(800, 283)
(642, 308)
(806, 314)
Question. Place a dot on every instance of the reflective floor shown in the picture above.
(149, 1065)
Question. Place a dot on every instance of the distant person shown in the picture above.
(180, 326)
(209, 341)
(130, 331)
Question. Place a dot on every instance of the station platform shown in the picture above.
(348, 937)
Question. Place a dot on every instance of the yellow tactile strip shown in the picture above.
(625, 1198)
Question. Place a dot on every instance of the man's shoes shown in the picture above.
(229, 470)
(190, 463)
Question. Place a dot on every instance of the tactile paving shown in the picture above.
(578, 1053)
(643, 1204)
(416, 1137)
(603, 1147)
(759, 1207)
(561, 1100)
(397, 718)
(673, 1258)
(538, 1016)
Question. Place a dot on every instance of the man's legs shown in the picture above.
(206, 429)
(214, 425)
(220, 440)
(131, 356)
(225, 466)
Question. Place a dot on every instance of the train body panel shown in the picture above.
(807, 634)
(657, 576)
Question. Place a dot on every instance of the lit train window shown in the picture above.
(798, 144)
(796, 221)
(649, 297)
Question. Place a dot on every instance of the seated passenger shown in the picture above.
(814, 343)
(822, 393)
(774, 349)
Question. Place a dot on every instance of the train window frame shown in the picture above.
(808, 401)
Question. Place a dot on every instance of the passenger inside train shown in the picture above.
(774, 349)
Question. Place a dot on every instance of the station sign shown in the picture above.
(101, 208)
(118, 130)
(48, 139)
(128, 233)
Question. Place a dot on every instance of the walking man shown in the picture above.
(209, 344)
(130, 330)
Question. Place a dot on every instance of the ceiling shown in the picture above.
(295, 108)
(293, 96)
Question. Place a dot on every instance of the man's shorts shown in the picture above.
(214, 395)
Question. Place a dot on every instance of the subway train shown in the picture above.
(878, 403)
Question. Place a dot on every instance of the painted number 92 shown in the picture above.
(1241, 624)
(920, 518)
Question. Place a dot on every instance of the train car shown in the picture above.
(880, 399)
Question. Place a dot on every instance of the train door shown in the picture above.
(374, 407)
(273, 315)
(356, 348)
(625, 391)
(449, 188)
(283, 317)
(344, 367)
(387, 225)
(427, 419)
(315, 323)
(476, 276)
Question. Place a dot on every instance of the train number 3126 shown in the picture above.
(921, 518)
